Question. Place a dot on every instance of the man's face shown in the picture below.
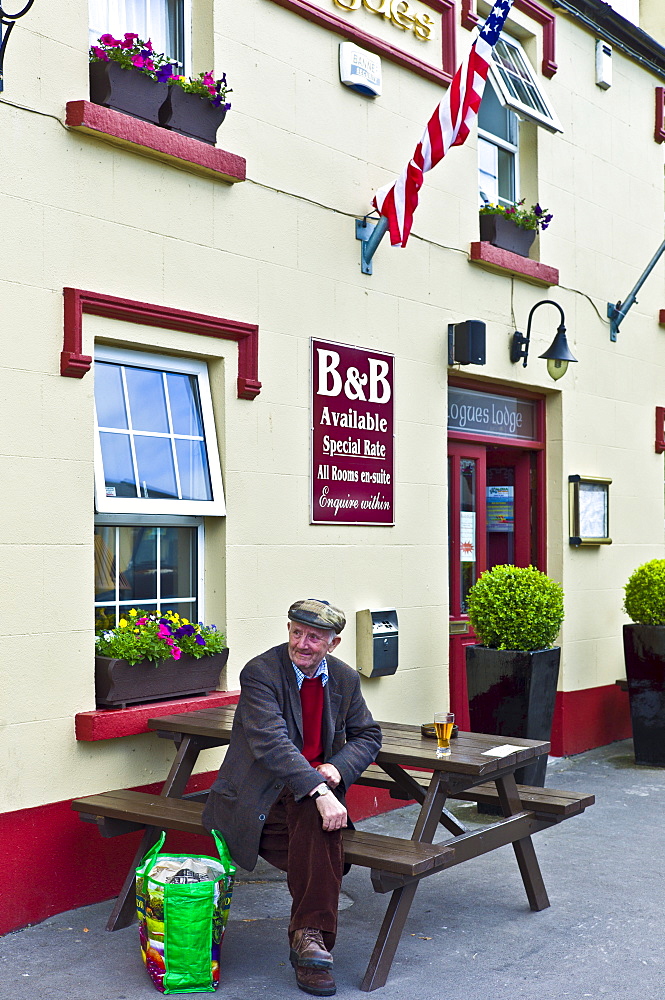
(308, 645)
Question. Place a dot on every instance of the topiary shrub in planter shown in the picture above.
(516, 613)
(644, 651)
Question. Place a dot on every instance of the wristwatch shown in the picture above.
(317, 794)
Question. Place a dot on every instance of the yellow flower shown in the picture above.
(123, 623)
(133, 613)
(185, 621)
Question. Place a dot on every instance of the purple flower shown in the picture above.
(200, 640)
(537, 210)
(184, 630)
(165, 72)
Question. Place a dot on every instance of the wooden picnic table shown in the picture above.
(408, 766)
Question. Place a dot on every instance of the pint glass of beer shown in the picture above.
(443, 725)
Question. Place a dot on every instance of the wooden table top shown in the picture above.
(402, 744)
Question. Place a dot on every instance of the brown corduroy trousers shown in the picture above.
(294, 841)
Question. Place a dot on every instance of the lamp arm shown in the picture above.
(520, 348)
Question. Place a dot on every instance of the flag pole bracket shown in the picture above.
(616, 311)
(370, 234)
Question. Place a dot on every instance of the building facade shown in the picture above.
(174, 313)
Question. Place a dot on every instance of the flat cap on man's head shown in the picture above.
(320, 614)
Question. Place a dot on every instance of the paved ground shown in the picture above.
(470, 935)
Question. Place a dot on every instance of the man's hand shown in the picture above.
(330, 774)
(331, 810)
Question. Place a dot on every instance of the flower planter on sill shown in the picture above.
(502, 232)
(191, 115)
(119, 683)
(127, 90)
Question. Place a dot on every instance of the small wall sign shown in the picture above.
(360, 70)
(589, 510)
(352, 457)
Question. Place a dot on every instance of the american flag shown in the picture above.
(449, 126)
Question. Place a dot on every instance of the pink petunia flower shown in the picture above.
(99, 53)
(109, 40)
(176, 652)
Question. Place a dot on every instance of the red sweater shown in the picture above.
(311, 700)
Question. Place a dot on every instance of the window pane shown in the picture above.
(146, 400)
(488, 180)
(105, 564)
(118, 468)
(506, 163)
(177, 564)
(138, 563)
(193, 470)
(154, 458)
(109, 396)
(494, 118)
(185, 407)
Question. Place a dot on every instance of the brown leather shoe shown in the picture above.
(309, 951)
(319, 982)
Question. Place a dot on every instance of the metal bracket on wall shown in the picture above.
(370, 234)
(617, 311)
(6, 24)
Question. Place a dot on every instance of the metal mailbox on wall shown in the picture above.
(377, 639)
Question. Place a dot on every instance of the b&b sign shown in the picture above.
(352, 474)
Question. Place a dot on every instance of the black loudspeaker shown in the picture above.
(466, 343)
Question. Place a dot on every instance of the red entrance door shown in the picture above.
(493, 505)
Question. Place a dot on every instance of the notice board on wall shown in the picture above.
(352, 435)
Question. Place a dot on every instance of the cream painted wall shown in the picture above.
(279, 250)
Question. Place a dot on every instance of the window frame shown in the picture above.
(152, 506)
(500, 143)
(159, 521)
(548, 121)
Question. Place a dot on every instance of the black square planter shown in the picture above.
(502, 232)
(191, 115)
(127, 90)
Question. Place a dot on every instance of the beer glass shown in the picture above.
(443, 725)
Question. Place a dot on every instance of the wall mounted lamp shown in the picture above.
(558, 354)
(7, 22)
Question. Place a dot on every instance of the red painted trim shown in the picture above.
(343, 27)
(545, 18)
(154, 141)
(660, 429)
(496, 259)
(113, 723)
(74, 364)
(661, 317)
(78, 867)
(495, 442)
(659, 130)
(591, 717)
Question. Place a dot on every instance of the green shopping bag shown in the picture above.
(181, 922)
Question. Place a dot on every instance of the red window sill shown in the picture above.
(504, 262)
(153, 141)
(112, 723)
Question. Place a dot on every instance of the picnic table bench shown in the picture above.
(479, 769)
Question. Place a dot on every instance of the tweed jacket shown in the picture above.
(266, 740)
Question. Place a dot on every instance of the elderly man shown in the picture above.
(301, 736)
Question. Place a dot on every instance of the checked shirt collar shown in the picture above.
(321, 671)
